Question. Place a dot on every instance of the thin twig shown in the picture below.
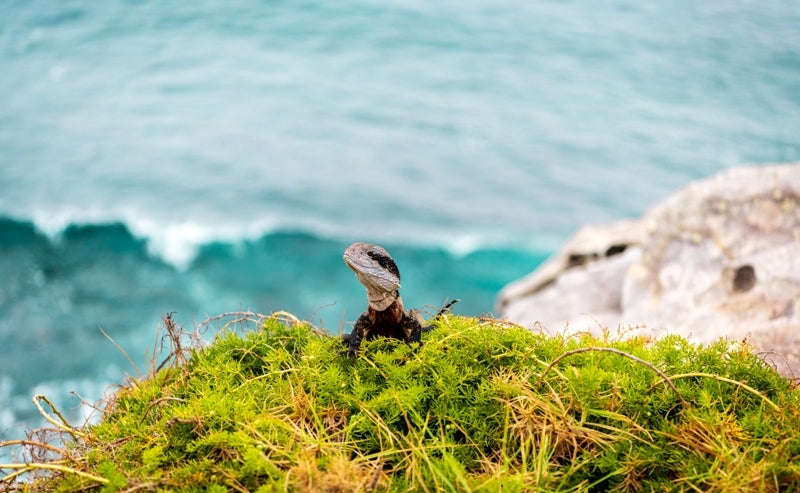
(143, 486)
(33, 443)
(314, 313)
(615, 351)
(248, 315)
(376, 476)
(156, 402)
(176, 349)
(501, 321)
(56, 467)
(64, 425)
(724, 379)
(285, 316)
(87, 403)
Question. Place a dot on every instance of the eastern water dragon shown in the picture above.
(385, 315)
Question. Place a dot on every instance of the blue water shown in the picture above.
(200, 157)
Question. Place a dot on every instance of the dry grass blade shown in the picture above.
(122, 350)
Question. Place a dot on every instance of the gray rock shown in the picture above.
(720, 258)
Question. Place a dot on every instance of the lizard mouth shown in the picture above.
(351, 262)
(351, 256)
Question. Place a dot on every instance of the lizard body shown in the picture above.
(385, 315)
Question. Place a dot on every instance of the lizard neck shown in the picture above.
(391, 313)
(382, 300)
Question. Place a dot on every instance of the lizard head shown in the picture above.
(376, 270)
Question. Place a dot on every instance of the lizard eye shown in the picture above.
(385, 261)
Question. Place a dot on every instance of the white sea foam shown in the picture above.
(175, 242)
(178, 242)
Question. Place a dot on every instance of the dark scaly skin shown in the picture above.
(377, 271)
(394, 322)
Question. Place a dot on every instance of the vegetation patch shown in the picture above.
(481, 405)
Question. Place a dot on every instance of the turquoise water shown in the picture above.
(199, 157)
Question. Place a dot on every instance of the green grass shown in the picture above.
(480, 406)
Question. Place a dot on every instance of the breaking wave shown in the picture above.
(63, 281)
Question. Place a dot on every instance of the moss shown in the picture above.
(480, 406)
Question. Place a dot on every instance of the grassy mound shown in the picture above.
(480, 406)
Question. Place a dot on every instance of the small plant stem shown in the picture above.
(157, 402)
(34, 444)
(64, 425)
(663, 376)
(729, 380)
(56, 467)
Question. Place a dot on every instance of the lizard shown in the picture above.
(385, 316)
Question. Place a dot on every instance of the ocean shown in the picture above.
(204, 157)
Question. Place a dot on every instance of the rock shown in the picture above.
(720, 258)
